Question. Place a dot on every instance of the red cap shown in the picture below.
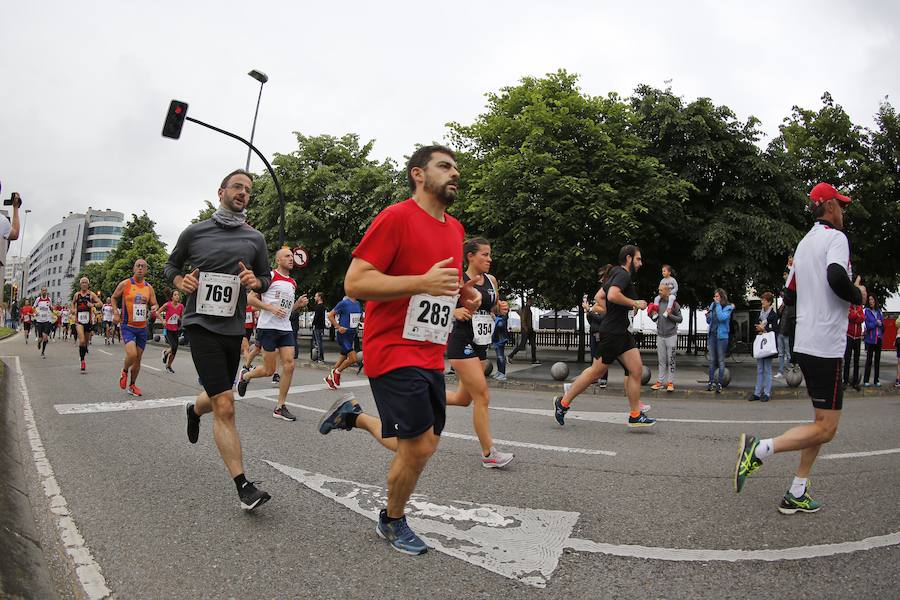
(823, 192)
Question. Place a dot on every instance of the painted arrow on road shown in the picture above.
(525, 544)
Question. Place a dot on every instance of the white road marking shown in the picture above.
(862, 454)
(143, 366)
(104, 352)
(619, 418)
(86, 568)
(102, 407)
(525, 544)
(460, 436)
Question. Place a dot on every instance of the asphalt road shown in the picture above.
(588, 510)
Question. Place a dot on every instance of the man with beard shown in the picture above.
(615, 342)
(408, 269)
(228, 257)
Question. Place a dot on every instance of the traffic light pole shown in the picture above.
(262, 158)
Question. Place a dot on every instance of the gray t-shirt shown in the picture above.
(212, 248)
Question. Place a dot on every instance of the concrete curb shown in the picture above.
(23, 568)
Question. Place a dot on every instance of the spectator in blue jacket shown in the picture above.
(873, 339)
(718, 318)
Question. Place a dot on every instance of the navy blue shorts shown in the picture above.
(410, 400)
(138, 335)
(345, 341)
(270, 339)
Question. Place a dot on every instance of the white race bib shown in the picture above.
(429, 318)
(248, 319)
(217, 294)
(483, 328)
(138, 312)
(286, 303)
(84, 317)
(173, 320)
(354, 320)
(43, 312)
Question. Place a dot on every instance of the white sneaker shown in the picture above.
(496, 459)
(777, 375)
(500, 377)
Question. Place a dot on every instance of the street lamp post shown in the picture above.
(262, 78)
(22, 254)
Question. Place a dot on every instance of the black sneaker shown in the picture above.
(170, 370)
(251, 497)
(276, 378)
(165, 356)
(710, 386)
(718, 388)
(243, 383)
(753, 398)
(641, 420)
(282, 412)
(336, 416)
(764, 398)
(193, 424)
(559, 411)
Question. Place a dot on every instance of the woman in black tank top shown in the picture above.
(82, 302)
(467, 347)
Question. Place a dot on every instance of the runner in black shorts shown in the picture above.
(467, 347)
(229, 257)
(407, 267)
(614, 343)
(819, 284)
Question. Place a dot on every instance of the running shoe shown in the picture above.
(764, 398)
(134, 390)
(123, 380)
(642, 420)
(336, 377)
(790, 504)
(165, 356)
(336, 416)
(779, 375)
(327, 379)
(242, 383)
(747, 461)
(657, 386)
(193, 424)
(670, 387)
(282, 412)
(276, 378)
(251, 497)
(170, 370)
(718, 388)
(602, 383)
(399, 535)
(753, 398)
(710, 386)
(502, 377)
(82, 366)
(496, 459)
(559, 411)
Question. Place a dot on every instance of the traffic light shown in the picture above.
(175, 119)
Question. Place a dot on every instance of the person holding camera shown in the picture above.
(9, 229)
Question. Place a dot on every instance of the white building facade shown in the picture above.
(79, 239)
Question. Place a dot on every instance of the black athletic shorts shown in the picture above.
(43, 328)
(410, 400)
(172, 338)
(461, 346)
(216, 358)
(26, 325)
(248, 333)
(823, 380)
(610, 346)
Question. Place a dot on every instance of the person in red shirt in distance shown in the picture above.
(854, 341)
(408, 268)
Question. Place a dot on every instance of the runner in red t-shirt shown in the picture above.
(171, 313)
(408, 269)
(27, 316)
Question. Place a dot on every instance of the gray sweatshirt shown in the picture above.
(212, 248)
(667, 326)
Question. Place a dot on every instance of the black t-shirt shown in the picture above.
(319, 316)
(594, 320)
(616, 318)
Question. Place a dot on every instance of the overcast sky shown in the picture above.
(85, 85)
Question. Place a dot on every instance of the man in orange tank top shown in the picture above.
(138, 299)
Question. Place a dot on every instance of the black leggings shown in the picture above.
(873, 351)
(172, 338)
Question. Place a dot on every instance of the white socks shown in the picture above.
(798, 487)
(765, 449)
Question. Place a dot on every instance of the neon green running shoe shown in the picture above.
(747, 461)
(805, 503)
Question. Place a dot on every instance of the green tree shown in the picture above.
(205, 213)
(743, 216)
(139, 240)
(558, 182)
(333, 190)
(825, 145)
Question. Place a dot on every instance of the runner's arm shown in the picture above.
(365, 281)
(115, 299)
(616, 296)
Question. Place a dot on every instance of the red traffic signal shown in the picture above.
(175, 119)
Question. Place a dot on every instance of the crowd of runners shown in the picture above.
(428, 295)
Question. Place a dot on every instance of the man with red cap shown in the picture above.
(819, 284)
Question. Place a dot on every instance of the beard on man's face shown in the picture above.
(443, 193)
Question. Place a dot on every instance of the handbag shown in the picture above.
(764, 345)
